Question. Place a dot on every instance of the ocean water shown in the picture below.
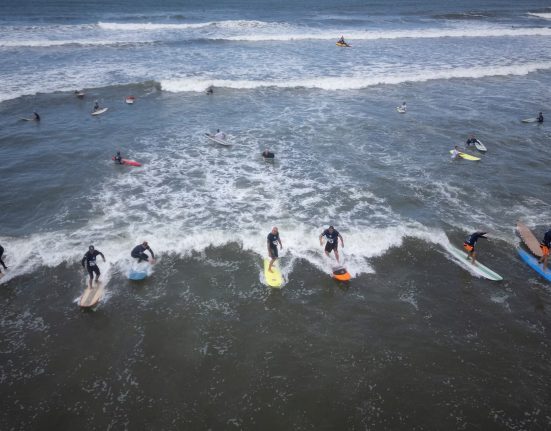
(414, 341)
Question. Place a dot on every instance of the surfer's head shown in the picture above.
(91, 248)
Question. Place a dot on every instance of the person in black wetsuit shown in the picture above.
(138, 252)
(36, 116)
(210, 90)
(91, 265)
(1, 261)
(540, 117)
(118, 158)
(341, 40)
(96, 106)
(471, 140)
(332, 237)
(267, 154)
(470, 243)
(273, 241)
(545, 245)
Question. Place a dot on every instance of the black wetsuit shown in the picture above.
(118, 159)
(36, 117)
(268, 154)
(332, 240)
(471, 141)
(471, 240)
(272, 243)
(1, 261)
(546, 240)
(90, 259)
(138, 252)
(540, 118)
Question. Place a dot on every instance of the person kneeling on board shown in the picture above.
(471, 140)
(267, 154)
(332, 237)
(220, 135)
(118, 158)
(273, 240)
(545, 245)
(540, 117)
(470, 243)
(138, 252)
(91, 266)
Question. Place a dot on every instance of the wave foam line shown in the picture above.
(46, 43)
(402, 34)
(229, 24)
(541, 15)
(353, 83)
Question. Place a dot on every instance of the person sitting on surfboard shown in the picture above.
(118, 158)
(470, 242)
(455, 152)
(545, 245)
(404, 107)
(332, 237)
(341, 41)
(471, 140)
(220, 135)
(1, 261)
(273, 241)
(540, 117)
(138, 252)
(36, 116)
(91, 266)
(267, 154)
(96, 106)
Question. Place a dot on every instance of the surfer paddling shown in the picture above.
(332, 237)
(273, 241)
(470, 243)
(545, 245)
(91, 265)
(138, 252)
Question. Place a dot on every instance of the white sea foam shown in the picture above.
(541, 15)
(355, 82)
(228, 24)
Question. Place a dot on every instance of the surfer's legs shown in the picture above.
(274, 256)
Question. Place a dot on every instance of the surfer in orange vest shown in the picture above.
(545, 245)
(470, 243)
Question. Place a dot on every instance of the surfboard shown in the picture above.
(343, 45)
(529, 120)
(274, 278)
(529, 239)
(218, 141)
(128, 162)
(532, 262)
(130, 100)
(27, 119)
(91, 296)
(477, 268)
(400, 110)
(137, 275)
(80, 94)
(466, 156)
(480, 146)
(99, 111)
(340, 273)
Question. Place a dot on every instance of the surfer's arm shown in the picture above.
(342, 241)
(83, 260)
(151, 251)
(102, 256)
(321, 240)
(280, 243)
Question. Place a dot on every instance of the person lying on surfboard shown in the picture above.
(471, 140)
(545, 245)
(91, 266)
(470, 243)
(118, 158)
(138, 252)
(540, 117)
(332, 237)
(273, 241)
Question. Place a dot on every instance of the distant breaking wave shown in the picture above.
(541, 15)
(353, 83)
(229, 24)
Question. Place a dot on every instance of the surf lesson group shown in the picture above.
(537, 260)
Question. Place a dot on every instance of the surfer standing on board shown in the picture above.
(470, 242)
(545, 245)
(273, 241)
(332, 237)
(1, 261)
(138, 252)
(91, 266)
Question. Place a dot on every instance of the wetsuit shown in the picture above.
(471, 241)
(540, 118)
(90, 259)
(36, 116)
(332, 240)
(273, 240)
(138, 252)
(545, 244)
(471, 141)
(1, 261)
(96, 106)
(118, 159)
(268, 154)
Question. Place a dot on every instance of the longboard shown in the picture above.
(477, 268)
(529, 120)
(532, 262)
(529, 239)
(218, 141)
(274, 278)
(128, 162)
(99, 111)
(400, 110)
(91, 297)
(466, 156)
(480, 146)
(343, 45)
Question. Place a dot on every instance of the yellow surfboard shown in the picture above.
(91, 297)
(466, 156)
(274, 278)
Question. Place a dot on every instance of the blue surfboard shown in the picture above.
(532, 262)
(137, 275)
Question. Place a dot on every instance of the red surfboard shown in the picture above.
(128, 162)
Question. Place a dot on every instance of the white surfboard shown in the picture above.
(480, 146)
(529, 120)
(400, 110)
(218, 141)
(99, 111)
(477, 268)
